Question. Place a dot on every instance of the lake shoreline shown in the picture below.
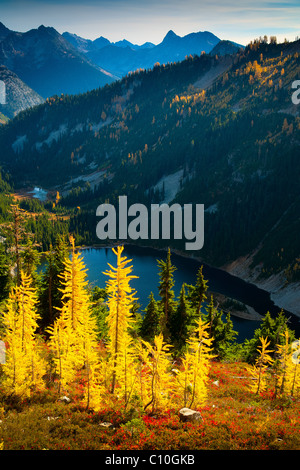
(250, 313)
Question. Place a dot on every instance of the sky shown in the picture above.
(139, 21)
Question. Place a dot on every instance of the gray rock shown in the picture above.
(188, 415)
(64, 399)
(105, 424)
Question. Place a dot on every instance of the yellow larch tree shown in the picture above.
(288, 373)
(295, 375)
(119, 302)
(161, 383)
(63, 351)
(259, 369)
(143, 376)
(126, 370)
(192, 376)
(73, 338)
(24, 368)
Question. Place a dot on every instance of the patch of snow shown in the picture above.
(93, 179)
(212, 209)
(92, 166)
(18, 144)
(95, 127)
(53, 136)
(171, 184)
(77, 128)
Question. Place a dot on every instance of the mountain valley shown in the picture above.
(214, 129)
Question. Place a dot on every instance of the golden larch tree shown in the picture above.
(73, 338)
(161, 381)
(192, 376)
(259, 369)
(24, 367)
(119, 302)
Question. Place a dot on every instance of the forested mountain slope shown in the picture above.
(224, 127)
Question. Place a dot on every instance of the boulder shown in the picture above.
(105, 424)
(64, 399)
(188, 415)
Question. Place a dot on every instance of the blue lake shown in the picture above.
(144, 262)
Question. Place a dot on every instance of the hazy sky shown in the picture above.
(140, 21)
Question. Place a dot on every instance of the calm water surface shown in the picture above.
(144, 262)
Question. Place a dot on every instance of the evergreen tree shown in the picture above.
(99, 307)
(166, 284)
(50, 295)
(30, 257)
(222, 332)
(273, 328)
(14, 230)
(17, 228)
(151, 322)
(180, 323)
(5, 278)
(197, 293)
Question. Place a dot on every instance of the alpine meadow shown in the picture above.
(185, 149)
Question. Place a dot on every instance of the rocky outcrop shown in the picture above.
(18, 95)
(188, 415)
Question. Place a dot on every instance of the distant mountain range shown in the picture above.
(50, 64)
(88, 45)
(122, 57)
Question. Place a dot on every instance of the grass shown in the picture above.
(232, 419)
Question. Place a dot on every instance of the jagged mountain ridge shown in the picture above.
(88, 45)
(53, 64)
(123, 57)
(49, 64)
(4, 31)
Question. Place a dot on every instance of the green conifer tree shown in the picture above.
(166, 284)
(50, 295)
(197, 293)
(180, 323)
(151, 320)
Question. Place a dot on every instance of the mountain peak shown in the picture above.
(47, 29)
(170, 35)
(4, 31)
